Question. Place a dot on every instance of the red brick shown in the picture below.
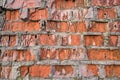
(103, 54)
(38, 14)
(8, 41)
(105, 2)
(14, 5)
(66, 71)
(98, 27)
(77, 54)
(48, 54)
(45, 39)
(73, 40)
(28, 40)
(106, 13)
(22, 26)
(6, 72)
(32, 3)
(52, 26)
(23, 71)
(94, 40)
(12, 15)
(92, 70)
(64, 54)
(80, 3)
(78, 27)
(31, 26)
(40, 71)
(112, 70)
(96, 54)
(61, 15)
(63, 27)
(113, 55)
(115, 26)
(65, 4)
(14, 55)
(113, 40)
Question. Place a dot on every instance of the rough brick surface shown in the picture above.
(59, 39)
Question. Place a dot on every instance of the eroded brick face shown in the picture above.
(59, 39)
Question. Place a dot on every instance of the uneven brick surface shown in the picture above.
(59, 39)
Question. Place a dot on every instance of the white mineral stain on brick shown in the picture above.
(89, 13)
(118, 41)
(69, 40)
(14, 72)
(6, 72)
(77, 54)
(101, 71)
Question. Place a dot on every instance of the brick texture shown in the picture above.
(59, 39)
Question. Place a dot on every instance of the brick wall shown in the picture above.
(60, 39)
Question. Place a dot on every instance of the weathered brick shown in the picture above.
(6, 72)
(96, 54)
(22, 26)
(52, 26)
(60, 15)
(113, 55)
(94, 40)
(64, 54)
(77, 54)
(114, 40)
(63, 27)
(114, 26)
(63, 71)
(8, 41)
(73, 40)
(23, 71)
(69, 4)
(32, 3)
(47, 39)
(83, 14)
(92, 70)
(103, 54)
(88, 70)
(78, 26)
(42, 71)
(16, 4)
(106, 13)
(105, 2)
(14, 55)
(38, 14)
(112, 70)
(98, 27)
(48, 54)
(80, 3)
(12, 15)
(28, 40)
